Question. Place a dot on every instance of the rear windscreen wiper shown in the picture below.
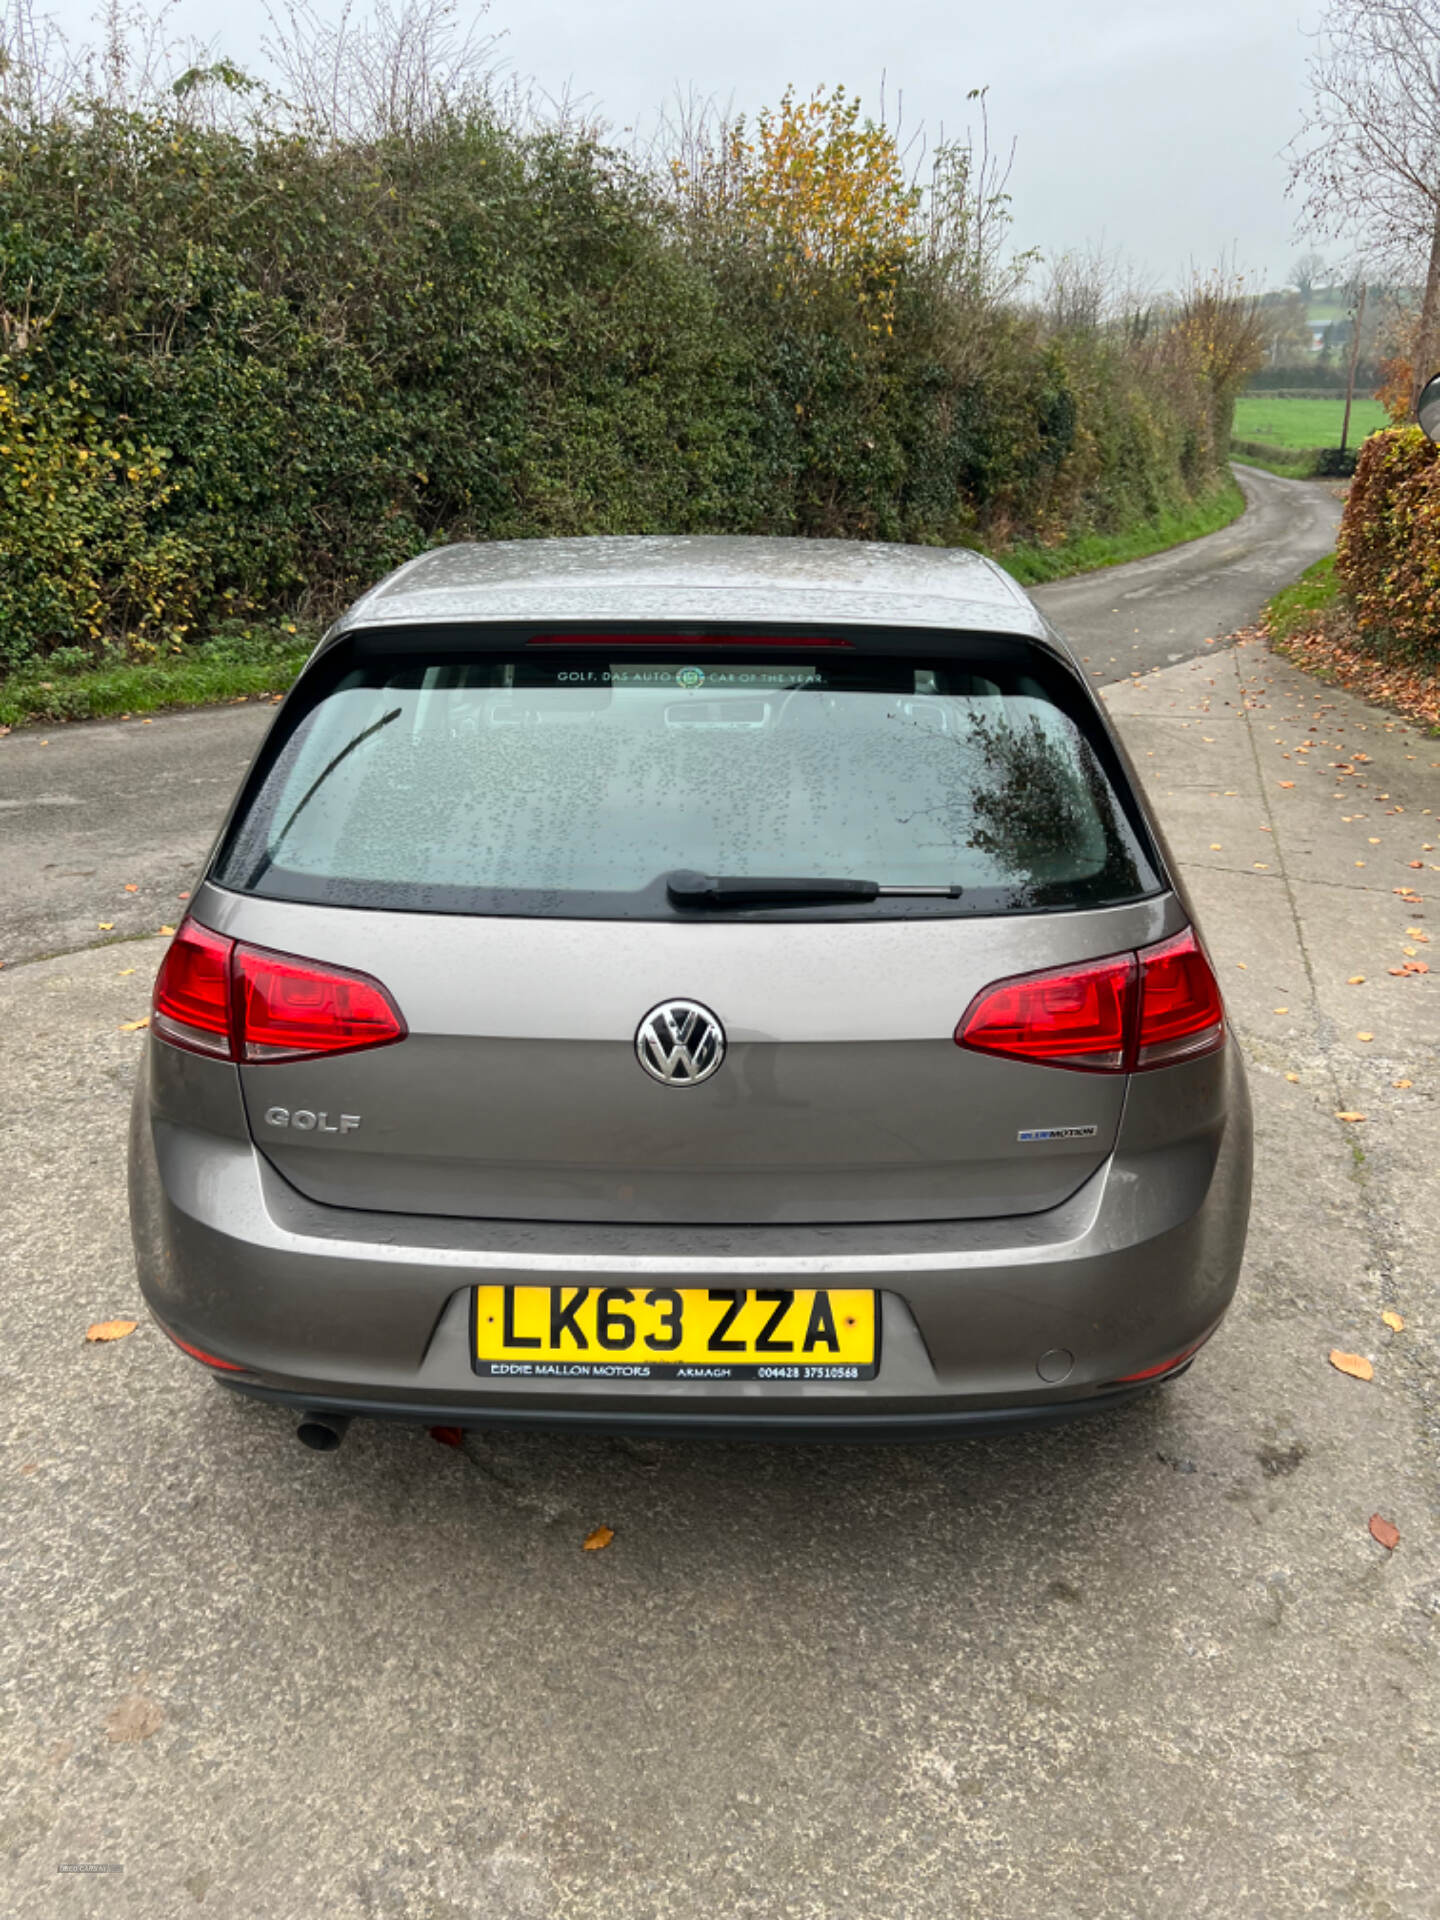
(710, 891)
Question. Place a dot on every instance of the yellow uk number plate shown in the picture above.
(676, 1333)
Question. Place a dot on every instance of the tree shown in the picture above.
(1367, 159)
(1309, 272)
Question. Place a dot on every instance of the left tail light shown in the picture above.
(217, 996)
(191, 1006)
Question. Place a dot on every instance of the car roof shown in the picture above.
(699, 577)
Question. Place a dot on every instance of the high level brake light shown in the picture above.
(216, 996)
(1126, 1013)
(681, 642)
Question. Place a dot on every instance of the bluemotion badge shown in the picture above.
(1056, 1133)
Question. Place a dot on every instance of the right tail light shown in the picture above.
(1123, 1014)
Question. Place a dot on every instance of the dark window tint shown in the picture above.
(552, 781)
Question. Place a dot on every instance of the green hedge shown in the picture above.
(241, 376)
(1388, 551)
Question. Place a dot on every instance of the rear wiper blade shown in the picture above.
(713, 891)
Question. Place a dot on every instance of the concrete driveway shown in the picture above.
(1153, 1666)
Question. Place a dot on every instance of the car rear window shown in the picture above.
(564, 779)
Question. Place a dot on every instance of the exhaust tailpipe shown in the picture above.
(322, 1431)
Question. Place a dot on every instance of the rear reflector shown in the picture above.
(235, 1002)
(1164, 1366)
(1077, 1017)
(199, 1353)
(1126, 1013)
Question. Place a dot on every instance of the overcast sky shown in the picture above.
(1153, 127)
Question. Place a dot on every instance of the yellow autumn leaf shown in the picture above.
(1364, 1036)
(110, 1329)
(1356, 980)
(167, 931)
(106, 926)
(134, 1026)
(600, 1537)
(1395, 1321)
(1349, 1116)
(1355, 1364)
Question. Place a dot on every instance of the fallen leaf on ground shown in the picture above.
(106, 926)
(1395, 1321)
(125, 973)
(1356, 980)
(1215, 847)
(1414, 863)
(110, 1329)
(1292, 1076)
(1385, 1532)
(134, 1026)
(1287, 783)
(1402, 1083)
(1282, 1009)
(1355, 1364)
(1349, 1116)
(130, 887)
(135, 1718)
(600, 1537)
(167, 931)
(1364, 1036)
(448, 1436)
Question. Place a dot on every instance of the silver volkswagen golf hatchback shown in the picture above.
(716, 985)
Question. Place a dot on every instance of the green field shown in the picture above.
(1283, 421)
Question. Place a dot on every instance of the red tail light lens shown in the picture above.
(1077, 1017)
(191, 1006)
(1181, 1012)
(291, 1009)
(1122, 1014)
(242, 1003)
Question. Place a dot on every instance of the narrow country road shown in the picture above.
(1156, 612)
(105, 826)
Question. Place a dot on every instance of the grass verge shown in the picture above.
(1299, 608)
(1311, 625)
(1031, 565)
(1274, 459)
(259, 661)
(228, 667)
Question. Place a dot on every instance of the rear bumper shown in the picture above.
(862, 1426)
(339, 1308)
